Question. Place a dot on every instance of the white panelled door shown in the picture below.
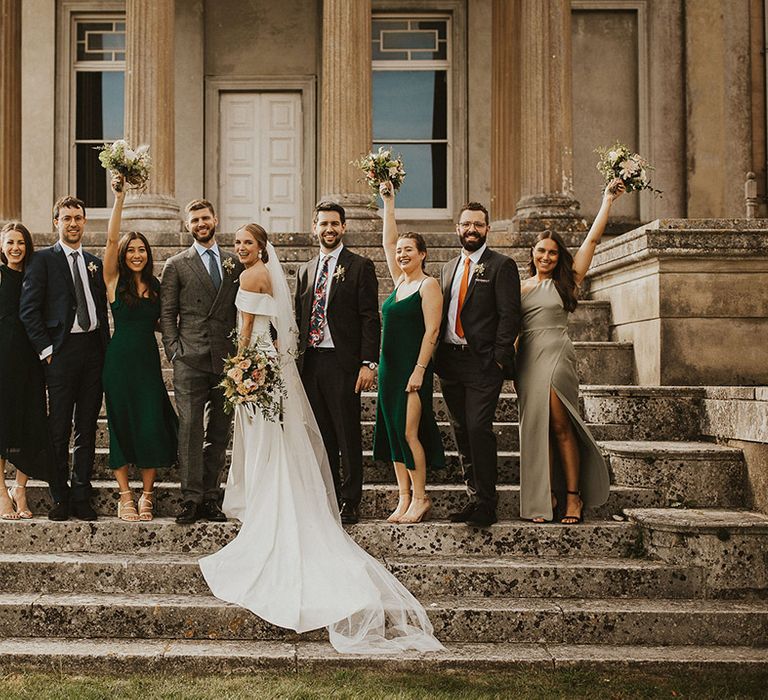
(260, 150)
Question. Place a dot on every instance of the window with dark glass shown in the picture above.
(98, 102)
(411, 101)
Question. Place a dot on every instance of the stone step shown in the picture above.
(507, 434)
(379, 500)
(455, 619)
(380, 539)
(434, 575)
(213, 656)
(694, 474)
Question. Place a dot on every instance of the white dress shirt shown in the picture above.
(327, 341)
(90, 303)
(453, 306)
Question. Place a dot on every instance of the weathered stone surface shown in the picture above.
(731, 546)
(691, 473)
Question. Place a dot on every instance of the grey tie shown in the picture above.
(83, 317)
(213, 269)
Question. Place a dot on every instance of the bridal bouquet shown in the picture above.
(121, 159)
(631, 168)
(252, 378)
(380, 167)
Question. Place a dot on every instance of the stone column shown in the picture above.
(345, 108)
(505, 112)
(10, 109)
(546, 132)
(149, 109)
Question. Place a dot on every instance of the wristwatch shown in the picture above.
(370, 365)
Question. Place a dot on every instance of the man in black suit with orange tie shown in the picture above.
(337, 312)
(481, 320)
(64, 311)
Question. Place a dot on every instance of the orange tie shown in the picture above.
(462, 294)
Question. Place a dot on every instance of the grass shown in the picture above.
(357, 684)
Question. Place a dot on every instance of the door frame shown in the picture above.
(306, 87)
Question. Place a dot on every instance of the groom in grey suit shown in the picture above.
(197, 297)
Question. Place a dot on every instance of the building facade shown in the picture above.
(261, 106)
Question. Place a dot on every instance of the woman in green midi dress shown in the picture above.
(556, 448)
(406, 431)
(143, 426)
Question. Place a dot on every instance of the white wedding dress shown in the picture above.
(292, 563)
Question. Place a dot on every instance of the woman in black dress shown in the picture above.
(24, 440)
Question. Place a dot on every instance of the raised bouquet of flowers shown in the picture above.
(631, 168)
(133, 165)
(380, 167)
(252, 378)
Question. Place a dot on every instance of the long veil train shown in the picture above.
(292, 563)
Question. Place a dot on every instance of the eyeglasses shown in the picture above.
(478, 225)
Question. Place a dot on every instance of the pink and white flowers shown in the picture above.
(380, 167)
(631, 168)
(252, 378)
(133, 165)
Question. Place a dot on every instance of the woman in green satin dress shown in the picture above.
(406, 431)
(555, 444)
(143, 426)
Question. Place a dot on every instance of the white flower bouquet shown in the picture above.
(631, 168)
(380, 167)
(133, 165)
(252, 378)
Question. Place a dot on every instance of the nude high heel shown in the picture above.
(418, 512)
(401, 509)
(146, 506)
(126, 510)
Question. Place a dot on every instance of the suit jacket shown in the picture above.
(196, 320)
(490, 315)
(352, 311)
(48, 304)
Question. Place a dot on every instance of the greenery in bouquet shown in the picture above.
(252, 378)
(381, 166)
(632, 169)
(133, 165)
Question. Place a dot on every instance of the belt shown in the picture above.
(455, 346)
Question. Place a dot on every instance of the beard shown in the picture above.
(204, 238)
(472, 245)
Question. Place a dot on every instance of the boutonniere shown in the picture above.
(93, 268)
(339, 273)
(229, 265)
(479, 270)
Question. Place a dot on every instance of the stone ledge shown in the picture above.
(731, 546)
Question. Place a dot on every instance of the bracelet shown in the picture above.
(422, 366)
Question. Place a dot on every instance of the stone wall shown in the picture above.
(738, 416)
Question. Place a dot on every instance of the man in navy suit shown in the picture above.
(64, 311)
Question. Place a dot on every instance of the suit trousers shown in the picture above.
(204, 432)
(73, 379)
(331, 393)
(471, 394)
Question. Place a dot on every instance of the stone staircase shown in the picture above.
(671, 571)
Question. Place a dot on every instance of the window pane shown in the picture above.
(99, 105)
(426, 168)
(98, 41)
(92, 184)
(410, 105)
(425, 41)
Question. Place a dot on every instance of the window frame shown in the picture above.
(65, 148)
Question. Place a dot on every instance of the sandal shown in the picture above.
(573, 519)
(12, 514)
(126, 510)
(23, 513)
(146, 506)
(555, 512)
(401, 509)
(416, 517)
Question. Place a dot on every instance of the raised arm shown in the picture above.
(111, 264)
(389, 232)
(583, 258)
(432, 308)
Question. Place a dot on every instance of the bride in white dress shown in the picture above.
(292, 563)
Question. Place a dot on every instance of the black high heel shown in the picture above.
(573, 519)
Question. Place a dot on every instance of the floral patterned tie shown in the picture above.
(317, 318)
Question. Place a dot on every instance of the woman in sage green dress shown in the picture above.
(406, 431)
(143, 426)
(556, 448)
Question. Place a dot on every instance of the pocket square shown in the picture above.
(482, 280)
